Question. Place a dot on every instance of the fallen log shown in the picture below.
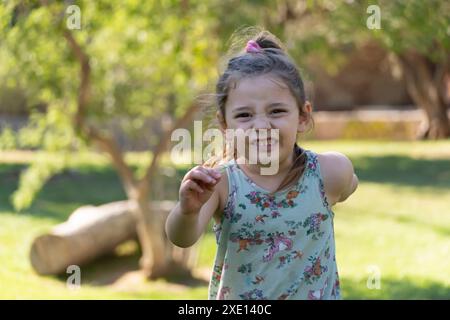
(90, 232)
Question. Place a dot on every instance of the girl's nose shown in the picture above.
(261, 122)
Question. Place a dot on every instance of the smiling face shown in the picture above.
(265, 102)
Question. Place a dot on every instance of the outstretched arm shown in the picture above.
(199, 200)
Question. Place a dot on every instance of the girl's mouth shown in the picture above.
(264, 143)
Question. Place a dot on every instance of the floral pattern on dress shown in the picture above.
(246, 237)
(277, 246)
(216, 274)
(313, 271)
(277, 242)
(313, 224)
(289, 257)
(336, 291)
(224, 292)
(255, 294)
(316, 294)
(267, 201)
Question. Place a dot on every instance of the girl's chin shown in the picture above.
(262, 156)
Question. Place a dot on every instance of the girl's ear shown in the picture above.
(305, 115)
(221, 120)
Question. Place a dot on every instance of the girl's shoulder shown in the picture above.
(338, 175)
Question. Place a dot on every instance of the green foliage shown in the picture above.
(146, 58)
(7, 139)
(326, 29)
(34, 178)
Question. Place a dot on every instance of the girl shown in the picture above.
(274, 233)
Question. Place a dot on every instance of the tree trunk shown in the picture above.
(151, 237)
(425, 83)
(160, 258)
(156, 260)
(88, 233)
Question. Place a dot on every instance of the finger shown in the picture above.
(213, 172)
(201, 176)
(188, 175)
(207, 186)
(204, 170)
(192, 185)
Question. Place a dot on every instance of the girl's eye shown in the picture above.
(278, 111)
(243, 115)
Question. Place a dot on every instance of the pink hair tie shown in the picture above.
(253, 47)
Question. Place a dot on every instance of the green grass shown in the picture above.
(398, 221)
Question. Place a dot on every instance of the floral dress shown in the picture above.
(277, 246)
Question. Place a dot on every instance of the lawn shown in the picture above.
(397, 224)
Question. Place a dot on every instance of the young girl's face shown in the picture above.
(265, 102)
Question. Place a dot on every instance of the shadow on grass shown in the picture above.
(395, 289)
(106, 270)
(113, 268)
(69, 190)
(401, 170)
(64, 192)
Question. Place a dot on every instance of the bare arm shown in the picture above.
(351, 188)
(199, 200)
(340, 180)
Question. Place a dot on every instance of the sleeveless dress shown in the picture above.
(275, 247)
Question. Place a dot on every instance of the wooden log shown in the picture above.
(90, 232)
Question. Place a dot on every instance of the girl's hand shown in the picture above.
(196, 188)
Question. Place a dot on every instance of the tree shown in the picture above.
(129, 61)
(415, 33)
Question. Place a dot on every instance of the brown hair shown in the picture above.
(272, 59)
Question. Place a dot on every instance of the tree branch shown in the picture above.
(107, 144)
(162, 145)
(85, 75)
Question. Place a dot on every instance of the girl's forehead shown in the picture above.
(266, 88)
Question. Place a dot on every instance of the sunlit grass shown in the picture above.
(397, 222)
